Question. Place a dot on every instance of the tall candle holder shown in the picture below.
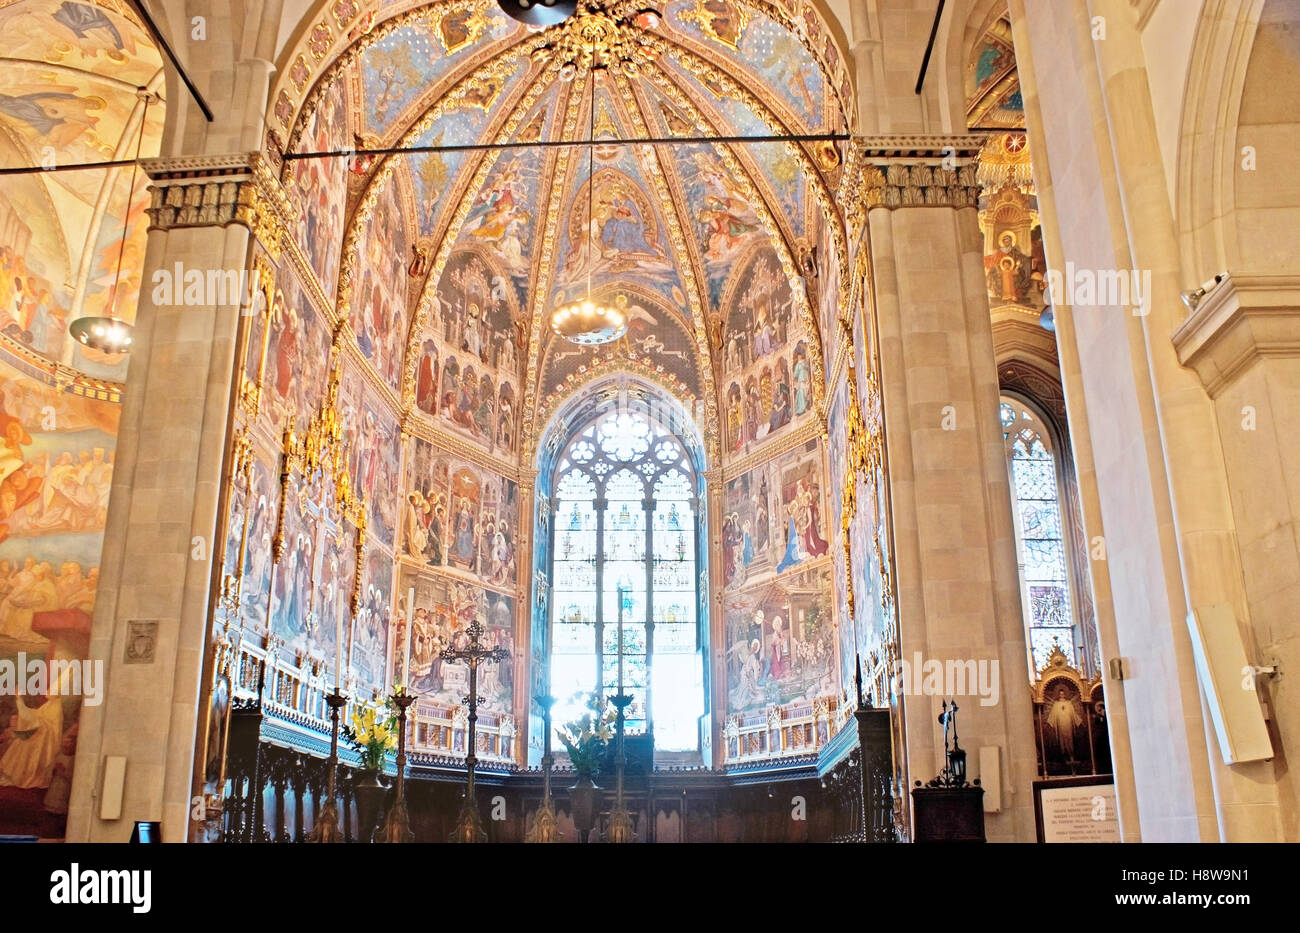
(620, 821)
(544, 824)
(327, 821)
(397, 828)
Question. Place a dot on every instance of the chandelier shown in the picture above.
(587, 322)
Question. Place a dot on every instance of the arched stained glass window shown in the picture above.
(1044, 566)
(626, 538)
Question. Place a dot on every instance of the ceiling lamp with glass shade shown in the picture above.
(111, 334)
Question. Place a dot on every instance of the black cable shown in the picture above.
(138, 6)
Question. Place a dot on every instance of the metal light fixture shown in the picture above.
(111, 334)
(106, 334)
(1193, 298)
(587, 322)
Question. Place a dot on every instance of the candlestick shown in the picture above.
(327, 820)
(406, 648)
(397, 828)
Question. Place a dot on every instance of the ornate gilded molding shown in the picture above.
(217, 191)
(909, 171)
(811, 428)
(416, 423)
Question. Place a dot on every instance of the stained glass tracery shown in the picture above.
(626, 542)
(1035, 491)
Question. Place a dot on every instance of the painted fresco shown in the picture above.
(460, 516)
(379, 311)
(368, 647)
(86, 112)
(1015, 265)
(253, 517)
(625, 235)
(471, 358)
(444, 609)
(56, 468)
(657, 340)
(780, 642)
(500, 219)
(374, 444)
(766, 356)
(993, 97)
(322, 186)
(756, 48)
(727, 222)
(774, 517)
(403, 65)
(297, 354)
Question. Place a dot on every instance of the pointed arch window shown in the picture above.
(626, 540)
(1046, 588)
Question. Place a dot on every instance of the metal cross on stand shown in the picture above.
(469, 828)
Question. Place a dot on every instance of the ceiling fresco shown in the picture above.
(68, 96)
(662, 226)
(993, 98)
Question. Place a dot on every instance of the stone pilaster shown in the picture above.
(156, 579)
(958, 591)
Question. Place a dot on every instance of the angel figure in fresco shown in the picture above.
(417, 538)
(778, 656)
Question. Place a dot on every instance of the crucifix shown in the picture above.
(469, 827)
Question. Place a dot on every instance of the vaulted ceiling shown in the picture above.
(69, 76)
(499, 235)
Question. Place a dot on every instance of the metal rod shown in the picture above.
(929, 47)
(35, 169)
(558, 143)
(154, 31)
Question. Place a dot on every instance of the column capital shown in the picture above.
(909, 171)
(219, 190)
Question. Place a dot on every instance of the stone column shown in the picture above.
(1085, 468)
(1162, 487)
(151, 618)
(958, 589)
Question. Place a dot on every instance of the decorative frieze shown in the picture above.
(216, 191)
(909, 171)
